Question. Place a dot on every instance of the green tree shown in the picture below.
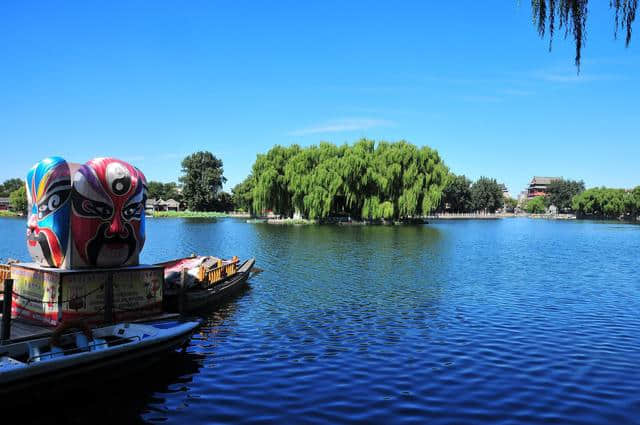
(457, 194)
(155, 190)
(202, 180)
(271, 190)
(632, 202)
(510, 204)
(535, 205)
(242, 194)
(561, 192)
(9, 186)
(603, 202)
(223, 202)
(18, 200)
(158, 190)
(364, 180)
(486, 195)
(571, 15)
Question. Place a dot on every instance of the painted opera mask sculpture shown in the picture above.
(48, 193)
(89, 215)
(107, 219)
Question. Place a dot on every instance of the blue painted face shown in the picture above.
(48, 193)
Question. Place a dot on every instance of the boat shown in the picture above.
(203, 287)
(65, 355)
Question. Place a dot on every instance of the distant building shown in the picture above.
(505, 191)
(4, 204)
(539, 185)
(155, 205)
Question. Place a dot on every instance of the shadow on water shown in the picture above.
(117, 396)
(143, 393)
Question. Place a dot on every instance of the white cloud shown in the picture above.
(347, 124)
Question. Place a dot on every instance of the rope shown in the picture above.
(37, 301)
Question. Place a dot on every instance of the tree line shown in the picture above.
(367, 180)
(603, 202)
(461, 195)
(598, 202)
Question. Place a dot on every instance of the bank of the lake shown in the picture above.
(472, 321)
(6, 213)
(198, 214)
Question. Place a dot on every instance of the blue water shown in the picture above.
(509, 321)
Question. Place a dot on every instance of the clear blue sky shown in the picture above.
(151, 81)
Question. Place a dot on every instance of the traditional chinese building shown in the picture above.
(155, 205)
(538, 186)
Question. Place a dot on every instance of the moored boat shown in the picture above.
(201, 289)
(65, 355)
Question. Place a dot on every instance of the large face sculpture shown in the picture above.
(48, 192)
(108, 200)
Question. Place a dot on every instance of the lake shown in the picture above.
(496, 321)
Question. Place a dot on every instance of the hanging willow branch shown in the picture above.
(572, 17)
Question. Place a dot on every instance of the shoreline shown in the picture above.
(197, 214)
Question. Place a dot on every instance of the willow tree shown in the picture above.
(271, 189)
(365, 180)
(571, 16)
(357, 175)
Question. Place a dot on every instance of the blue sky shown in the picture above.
(150, 82)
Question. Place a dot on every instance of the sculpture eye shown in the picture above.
(52, 202)
(96, 209)
(132, 210)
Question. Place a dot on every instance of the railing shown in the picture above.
(219, 272)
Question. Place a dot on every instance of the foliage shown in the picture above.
(202, 179)
(365, 180)
(561, 192)
(510, 204)
(223, 202)
(158, 190)
(457, 194)
(18, 200)
(608, 203)
(242, 194)
(572, 16)
(486, 195)
(535, 205)
(9, 186)
(5, 213)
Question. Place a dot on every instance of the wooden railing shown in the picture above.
(219, 272)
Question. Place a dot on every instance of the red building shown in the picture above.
(539, 185)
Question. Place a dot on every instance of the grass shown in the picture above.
(4, 213)
(189, 214)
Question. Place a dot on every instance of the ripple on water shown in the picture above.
(511, 321)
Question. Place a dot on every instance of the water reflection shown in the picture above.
(516, 321)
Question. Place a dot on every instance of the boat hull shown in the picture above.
(135, 355)
(210, 298)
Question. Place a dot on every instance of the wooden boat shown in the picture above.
(209, 293)
(65, 355)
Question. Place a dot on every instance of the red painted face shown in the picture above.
(107, 220)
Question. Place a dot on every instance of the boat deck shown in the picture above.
(22, 330)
